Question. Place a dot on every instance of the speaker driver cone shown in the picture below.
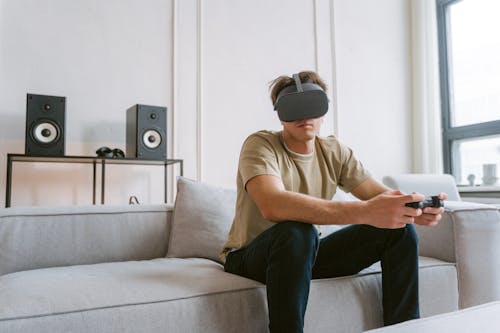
(45, 133)
(151, 139)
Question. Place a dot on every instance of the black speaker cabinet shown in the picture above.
(146, 132)
(45, 122)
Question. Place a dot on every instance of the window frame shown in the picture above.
(449, 133)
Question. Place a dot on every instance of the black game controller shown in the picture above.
(433, 201)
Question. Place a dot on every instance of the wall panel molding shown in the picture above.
(199, 95)
(324, 58)
(198, 70)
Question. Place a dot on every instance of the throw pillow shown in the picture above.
(201, 220)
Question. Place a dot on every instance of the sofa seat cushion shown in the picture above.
(185, 294)
(84, 287)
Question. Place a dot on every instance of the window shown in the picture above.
(469, 60)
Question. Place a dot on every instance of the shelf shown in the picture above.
(89, 159)
(94, 161)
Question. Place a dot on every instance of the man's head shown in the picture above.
(299, 97)
(304, 121)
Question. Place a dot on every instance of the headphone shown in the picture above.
(301, 101)
(110, 153)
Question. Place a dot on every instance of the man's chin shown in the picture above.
(310, 134)
(307, 137)
(304, 134)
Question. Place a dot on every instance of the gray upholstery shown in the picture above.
(192, 295)
(469, 235)
(201, 220)
(37, 237)
(103, 269)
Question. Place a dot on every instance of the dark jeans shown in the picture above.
(288, 255)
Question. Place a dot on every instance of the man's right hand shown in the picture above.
(388, 210)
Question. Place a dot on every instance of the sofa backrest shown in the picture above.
(427, 184)
(39, 237)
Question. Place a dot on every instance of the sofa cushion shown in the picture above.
(58, 290)
(39, 237)
(191, 295)
(201, 220)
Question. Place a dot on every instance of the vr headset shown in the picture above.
(301, 101)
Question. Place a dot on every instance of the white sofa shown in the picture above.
(154, 269)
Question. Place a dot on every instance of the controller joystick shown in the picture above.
(433, 201)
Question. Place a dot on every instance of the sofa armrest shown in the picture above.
(469, 236)
(39, 237)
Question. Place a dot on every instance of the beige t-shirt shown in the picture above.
(264, 153)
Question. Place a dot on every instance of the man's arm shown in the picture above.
(369, 188)
(385, 210)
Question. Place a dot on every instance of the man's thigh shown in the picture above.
(250, 261)
(253, 260)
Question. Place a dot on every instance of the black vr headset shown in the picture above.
(301, 101)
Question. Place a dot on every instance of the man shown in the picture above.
(285, 184)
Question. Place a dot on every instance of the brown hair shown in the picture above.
(284, 81)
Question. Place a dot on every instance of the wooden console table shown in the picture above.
(94, 160)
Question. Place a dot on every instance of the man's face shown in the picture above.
(302, 130)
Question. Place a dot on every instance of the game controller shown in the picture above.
(433, 201)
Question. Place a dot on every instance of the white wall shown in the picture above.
(210, 63)
(237, 49)
(372, 48)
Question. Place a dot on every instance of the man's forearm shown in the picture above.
(291, 206)
(385, 210)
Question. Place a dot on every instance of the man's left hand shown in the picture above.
(430, 215)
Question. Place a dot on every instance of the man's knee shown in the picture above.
(412, 233)
(297, 237)
(297, 231)
(408, 235)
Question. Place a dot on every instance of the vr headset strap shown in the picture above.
(298, 83)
